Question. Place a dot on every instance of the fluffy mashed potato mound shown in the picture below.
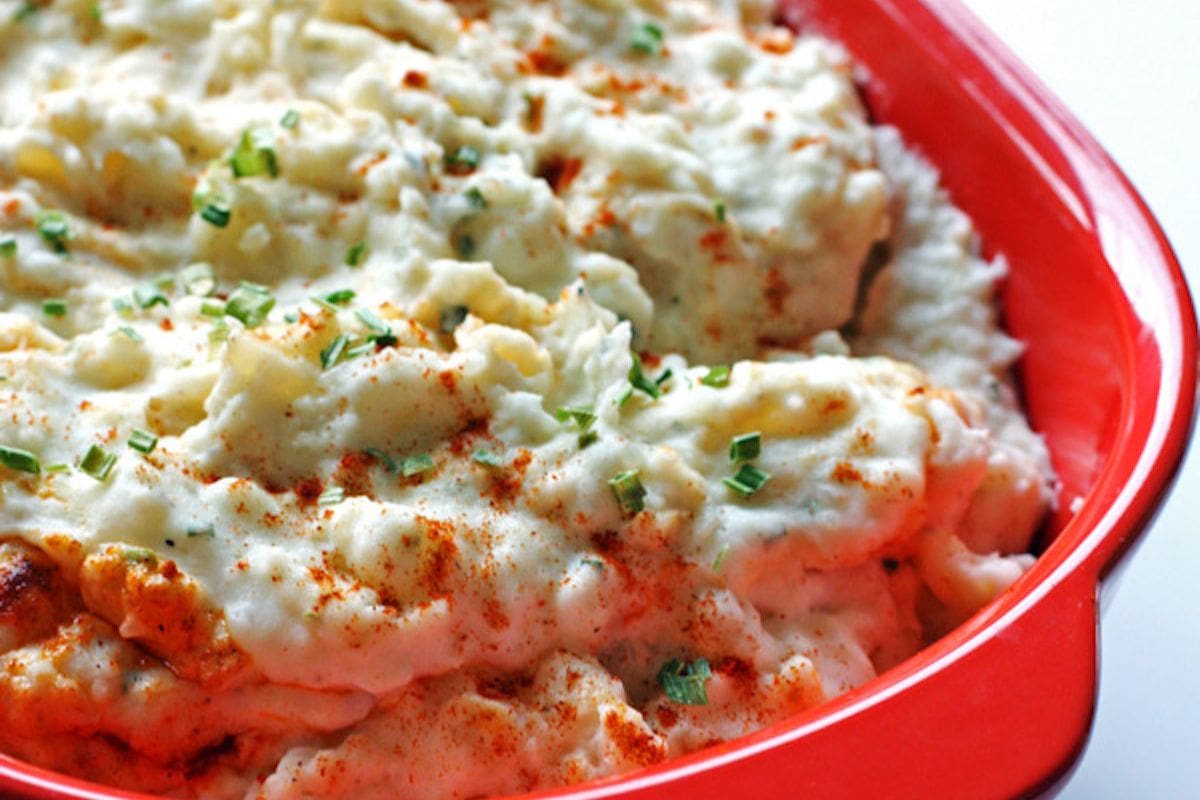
(421, 399)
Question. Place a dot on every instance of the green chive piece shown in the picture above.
(487, 458)
(625, 394)
(148, 295)
(129, 333)
(745, 447)
(586, 438)
(720, 559)
(23, 13)
(717, 376)
(361, 348)
(215, 214)
(8, 247)
(389, 463)
(57, 468)
(331, 355)
(451, 318)
(331, 496)
(663, 378)
(20, 460)
(462, 160)
(139, 555)
(357, 254)
(199, 279)
(290, 119)
(748, 480)
(475, 198)
(97, 463)
(142, 441)
(415, 465)
(204, 530)
(123, 307)
(374, 324)
(466, 245)
(647, 39)
(593, 562)
(95, 12)
(212, 308)
(53, 227)
(581, 416)
(719, 210)
(254, 155)
(686, 683)
(639, 381)
(291, 317)
(219, 332)
(627, 488)
(340, 297)
(250, 303)
(54, 307)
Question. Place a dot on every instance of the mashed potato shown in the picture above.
(404, 398)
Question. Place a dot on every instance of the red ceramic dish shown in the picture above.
(1001, 706)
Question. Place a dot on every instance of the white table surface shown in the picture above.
(1131, 73)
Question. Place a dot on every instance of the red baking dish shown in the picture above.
(1002, 706)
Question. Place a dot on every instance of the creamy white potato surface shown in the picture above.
(403, 398)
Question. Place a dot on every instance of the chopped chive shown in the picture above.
(415, 465)
(627, 488)
(357, 254)
(586, 438)
(24, 12)
(331, 496)
(663, 378)
(142, 441)
(54, 307)
(20, 460)
(199, 279)
(340, 297)
(593, 562)
(290, 119)
(148, 295)
(215, 214)
(8, 247)
(451, 318)
(325, 304)
(465, 245)
(53, 227)
(123, 307)
(254, 155)
(361, 348)
(389, 463)
(97, 463)
(625, 394)
(212, 308)
(57, 468)
(686, 683)
(717, 376)
(462, 160)
(95, 12)
(374, 324)
(139, 554)
(250, 303)
(639, 381)
(582, 417)
(647, 39)
(204, 530)
(219, 332)
(291, 317)
(129, 333)
(745, 447)
(748, 480)
(475, 198)
(720, 559)
(719, 210)
(331, 355)
(487, 458)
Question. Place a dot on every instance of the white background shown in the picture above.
(1131, 72)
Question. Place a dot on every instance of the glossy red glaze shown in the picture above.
(1001, 706)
